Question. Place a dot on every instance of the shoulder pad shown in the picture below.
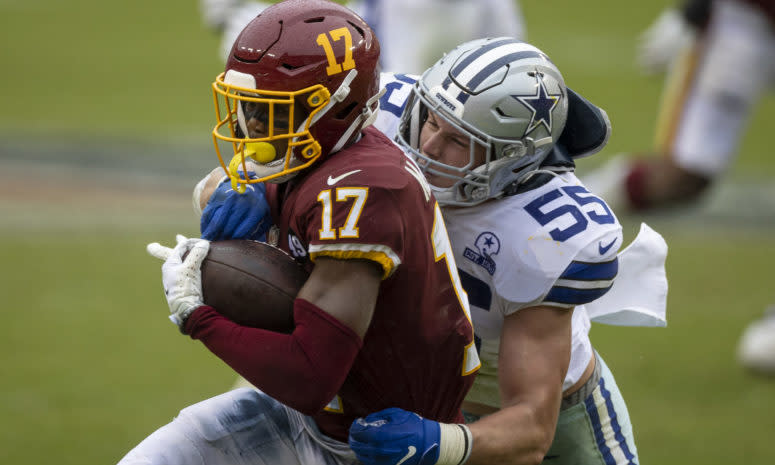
(558, 234)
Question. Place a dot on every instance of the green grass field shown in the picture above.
(90, 364)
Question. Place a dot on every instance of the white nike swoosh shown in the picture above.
(331, 181)
(408, 455)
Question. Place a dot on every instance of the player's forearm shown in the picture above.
(516, 435)
(317, 355)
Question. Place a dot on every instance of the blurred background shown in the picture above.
(105, 120)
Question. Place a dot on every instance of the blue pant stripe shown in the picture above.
(615, 422)
(598, 430)
(594, 415)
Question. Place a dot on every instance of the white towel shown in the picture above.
(639, 294)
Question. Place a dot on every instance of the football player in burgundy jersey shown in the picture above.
(716, 79)
(714, 85)
(382, 320)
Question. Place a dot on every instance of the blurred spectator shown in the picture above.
(757, 345)
(413, 34)
(721, 59)
(712, 89)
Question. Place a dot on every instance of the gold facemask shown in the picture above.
(268, 131)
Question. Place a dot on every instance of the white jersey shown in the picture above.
(555, 245)
(552, 245)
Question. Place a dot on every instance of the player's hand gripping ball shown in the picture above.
(181, 276)
(252, 283)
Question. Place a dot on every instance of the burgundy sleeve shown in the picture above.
(303, 370)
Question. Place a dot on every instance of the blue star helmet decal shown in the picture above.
(541, 104)
(488, 245)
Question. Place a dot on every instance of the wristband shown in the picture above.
(455, 443)
(197, 194)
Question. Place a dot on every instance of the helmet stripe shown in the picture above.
(487, 71)
(473, 56)
(479, 52)
(479, 65)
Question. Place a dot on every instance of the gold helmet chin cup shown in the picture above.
(302, 151)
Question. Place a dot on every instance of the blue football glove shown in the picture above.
(231, 215)
(394, 436)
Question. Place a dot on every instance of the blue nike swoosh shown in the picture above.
(603, 249)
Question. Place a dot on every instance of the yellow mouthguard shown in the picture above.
(262, 152)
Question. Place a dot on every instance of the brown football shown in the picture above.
(252, 283)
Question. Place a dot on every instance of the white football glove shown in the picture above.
(663, 40)
(182, 279)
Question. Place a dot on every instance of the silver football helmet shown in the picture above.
(507, 97)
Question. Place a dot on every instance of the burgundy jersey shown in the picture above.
(767, 7)
(369, 201)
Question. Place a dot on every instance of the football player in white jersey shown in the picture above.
(495, 130)
(412, 33)
(531, 243)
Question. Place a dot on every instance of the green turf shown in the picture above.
(118, 68)
(689, 400)
(90, 363)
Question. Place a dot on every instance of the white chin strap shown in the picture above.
(366, 118)
(338, 96)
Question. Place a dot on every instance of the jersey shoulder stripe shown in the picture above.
(582, 283)
(381, 254)
(585, 271)
(569, 296)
